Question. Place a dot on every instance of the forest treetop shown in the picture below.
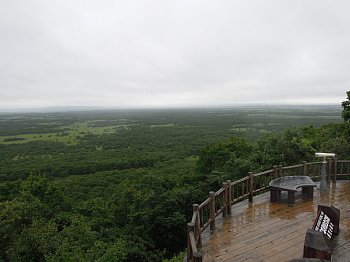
(346, 107)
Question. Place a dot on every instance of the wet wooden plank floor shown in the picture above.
(265, 231)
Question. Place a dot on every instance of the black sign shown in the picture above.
(324, 225)
(327, 221)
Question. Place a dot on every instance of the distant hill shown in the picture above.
(94, 108)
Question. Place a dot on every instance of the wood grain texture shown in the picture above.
(264, 231)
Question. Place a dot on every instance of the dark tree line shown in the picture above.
(346, 107)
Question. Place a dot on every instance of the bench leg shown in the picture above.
(291, 197)
(308, 192)
(273, 195)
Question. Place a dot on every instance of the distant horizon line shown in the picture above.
(86, 108)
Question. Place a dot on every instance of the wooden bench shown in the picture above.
(291, 184)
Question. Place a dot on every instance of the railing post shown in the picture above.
(224, 199)
(189, 247)
(192, 256)
(329, 173)
(275, 172)
(197, 225)
(212, 209)
(233, 194)
(304, 168)
(280, 171)
(251, 186)
(335, 169)
(229, 196)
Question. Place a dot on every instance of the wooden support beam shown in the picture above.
(212, 209)
(197, 225)
(335, 170)
(304, 168)
(251, 186)
(280, 171)
(224, 200)
(229, 196)
(329, 173)
(189, 247)
(275, 172)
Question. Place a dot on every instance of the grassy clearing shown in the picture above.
(69, 134)
(163, 125)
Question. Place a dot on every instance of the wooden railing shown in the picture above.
(222, 201)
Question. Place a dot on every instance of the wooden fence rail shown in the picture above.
(222, 201)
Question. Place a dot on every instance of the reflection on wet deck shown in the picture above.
(265, 231)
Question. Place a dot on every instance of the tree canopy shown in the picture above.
(346, 107)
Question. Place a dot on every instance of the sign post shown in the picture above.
(318, 240)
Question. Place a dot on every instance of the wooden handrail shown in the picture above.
(206, 202)
(240, 180)
(314, 163)
(217, 193)
(248, 187)
(263, 173)
(292, 167)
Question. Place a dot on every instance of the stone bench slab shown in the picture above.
(291, 185)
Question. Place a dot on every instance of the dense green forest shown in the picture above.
(118, 185)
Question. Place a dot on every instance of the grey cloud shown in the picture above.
(134, 53)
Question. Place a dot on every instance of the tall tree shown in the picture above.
(346, 108)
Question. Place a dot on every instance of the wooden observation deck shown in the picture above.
(246, 226)
(265, 231)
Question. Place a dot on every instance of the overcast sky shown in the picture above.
(173, 53)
